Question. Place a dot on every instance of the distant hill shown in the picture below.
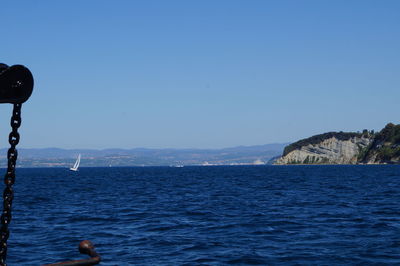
(56, 157)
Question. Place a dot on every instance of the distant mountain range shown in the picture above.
(55, 157)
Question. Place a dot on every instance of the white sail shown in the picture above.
(76, 165)
(78, 161)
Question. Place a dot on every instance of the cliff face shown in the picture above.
(346, 148)
(330, 150)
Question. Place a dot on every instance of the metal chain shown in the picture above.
(9, 180)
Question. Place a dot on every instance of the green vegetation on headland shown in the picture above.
(385, 147)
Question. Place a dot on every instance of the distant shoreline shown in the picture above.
(202, 166)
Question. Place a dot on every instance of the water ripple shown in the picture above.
(306, 215)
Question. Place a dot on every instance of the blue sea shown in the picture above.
(240, 215)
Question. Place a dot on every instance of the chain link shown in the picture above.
(9, 180)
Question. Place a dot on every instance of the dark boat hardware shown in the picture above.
(16, 85)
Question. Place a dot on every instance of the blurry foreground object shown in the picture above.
(16, 86)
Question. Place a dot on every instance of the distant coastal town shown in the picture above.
(55, 157)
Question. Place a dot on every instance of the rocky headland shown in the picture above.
(365, 147)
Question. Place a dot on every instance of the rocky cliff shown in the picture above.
(346, 148)
(328, 148)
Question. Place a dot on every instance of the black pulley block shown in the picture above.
(16, 84)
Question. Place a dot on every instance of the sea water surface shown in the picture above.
(268, 215)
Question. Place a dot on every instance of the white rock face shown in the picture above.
(329, 151)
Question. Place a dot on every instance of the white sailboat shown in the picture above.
(76, 165)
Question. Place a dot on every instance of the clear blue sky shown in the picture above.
(203, 74)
